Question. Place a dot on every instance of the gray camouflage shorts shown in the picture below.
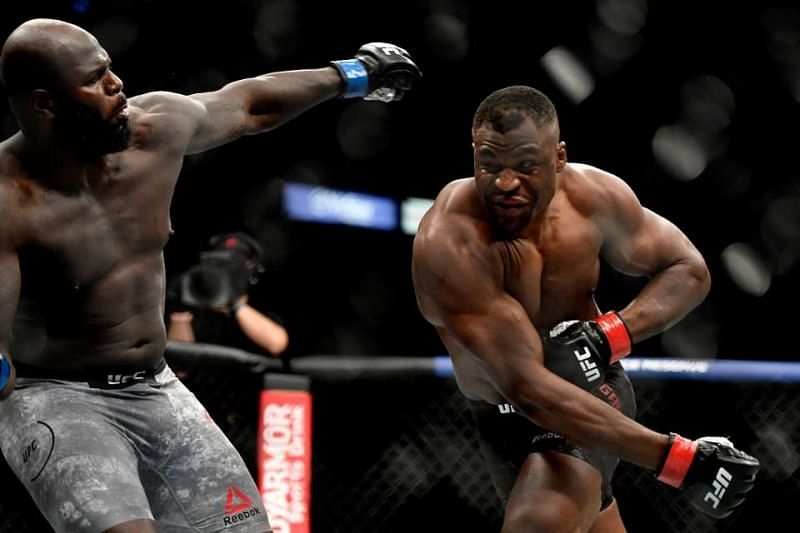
(93, 458)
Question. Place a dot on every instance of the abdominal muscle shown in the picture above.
(114, 322)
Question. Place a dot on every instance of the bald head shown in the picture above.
(37, 53)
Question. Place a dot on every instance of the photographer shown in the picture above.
(210, 300)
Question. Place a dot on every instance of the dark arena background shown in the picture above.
(694, 104)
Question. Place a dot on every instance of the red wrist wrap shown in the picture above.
(619, 339)
(679, 457)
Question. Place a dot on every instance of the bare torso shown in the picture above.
(90, 258)
(551, 269)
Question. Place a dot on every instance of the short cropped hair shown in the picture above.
(502, 108)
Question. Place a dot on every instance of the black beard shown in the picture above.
(83, 130)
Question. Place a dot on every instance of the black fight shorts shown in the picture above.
(507, 437)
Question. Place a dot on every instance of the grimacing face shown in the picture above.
(515, 171)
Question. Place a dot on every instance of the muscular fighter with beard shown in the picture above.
(98, 428)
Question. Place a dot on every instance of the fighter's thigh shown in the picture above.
(79, 470)
(204, 485)
(554, 492)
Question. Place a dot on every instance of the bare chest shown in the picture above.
(554, 278)
(82, 237)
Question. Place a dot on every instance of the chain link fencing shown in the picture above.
(394, 448)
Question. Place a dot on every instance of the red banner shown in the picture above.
(284, 459)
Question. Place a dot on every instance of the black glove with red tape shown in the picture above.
(579, 351)
(715, 475)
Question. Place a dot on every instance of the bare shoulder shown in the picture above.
(455, 267)
(164, 102)
(594, 190)
(453, 229)
(451, 216)
(164, 117)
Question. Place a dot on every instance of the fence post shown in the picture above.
(284, 451)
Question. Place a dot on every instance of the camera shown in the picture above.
(222, 274)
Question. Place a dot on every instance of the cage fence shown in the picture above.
(394, 447)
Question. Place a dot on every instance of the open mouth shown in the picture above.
(122, 110)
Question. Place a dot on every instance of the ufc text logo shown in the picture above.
(588, 366)
(29, 450)
(719, 486)
(506, 408)
(389, 50)
(119, 379)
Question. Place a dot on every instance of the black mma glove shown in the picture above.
(380, 71)
(579, 351)
(715, 475)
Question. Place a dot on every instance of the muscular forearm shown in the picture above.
(513, 361)
(580, 417)
(666, 299)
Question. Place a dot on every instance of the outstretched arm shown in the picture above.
(259, 104)
(254, 105)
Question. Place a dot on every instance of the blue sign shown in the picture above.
(310, 203)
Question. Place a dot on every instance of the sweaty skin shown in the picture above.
(81, 263)
(502, 257)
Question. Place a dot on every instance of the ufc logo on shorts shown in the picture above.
(506, 408)
(119, 379)
(719, 485)
(588, 367)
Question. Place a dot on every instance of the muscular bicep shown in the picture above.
(244, 107)
(459, 290)
(191, 124)
(262, 103)
(648, 246)
(639, 242)
(223, 118)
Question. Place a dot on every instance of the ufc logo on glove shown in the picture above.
(588, 366)
(388, 50)
(720, 484)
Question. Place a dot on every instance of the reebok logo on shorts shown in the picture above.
(236, 501)
(238, 507)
